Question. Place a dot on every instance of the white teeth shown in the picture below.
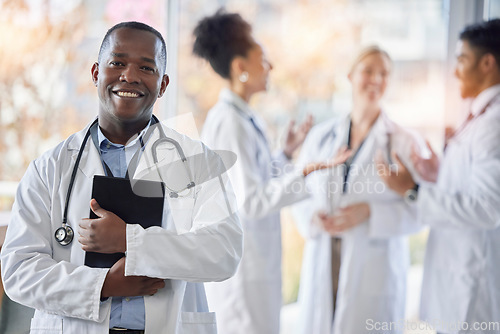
(127, 94)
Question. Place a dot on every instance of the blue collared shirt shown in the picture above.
(126, 312)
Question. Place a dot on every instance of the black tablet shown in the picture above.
(134, 201)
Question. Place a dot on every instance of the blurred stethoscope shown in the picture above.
(64, 235)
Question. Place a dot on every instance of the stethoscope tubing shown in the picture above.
(73, 174)
(173, 193)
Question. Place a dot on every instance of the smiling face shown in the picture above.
(129, 77)
(467, 70)
(369, 78)
(258, 67)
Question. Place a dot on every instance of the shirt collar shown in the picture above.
(230, 97)
(485, 97)
(105, 142)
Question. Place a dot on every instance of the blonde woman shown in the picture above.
(352, 206)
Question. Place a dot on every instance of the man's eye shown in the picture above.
(115, 63)
(147, 68)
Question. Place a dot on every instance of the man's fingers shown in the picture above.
(346, 154)
(82, 240)
(326, 221)
(307, 125)
(338, 226)
(83, 232)
(344, 149)
(152, 285)
(87, 245)
(309, 119)
(429, 147)
(342, 155)
(321, 214)
(159, 284)
(382, 167)
(415, 157)
(415, 150)
(84, 223)
(88, 248)
(380, 158)
(396, 158)
(96, 208)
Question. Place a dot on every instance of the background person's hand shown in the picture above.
(296, 136)
(341, 157)
(117, 284)
(106, 234)
(344, 218)
(398, 179)
(449, 132)
(428, 169)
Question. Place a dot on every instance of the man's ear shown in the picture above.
(488, 62)
(95, 73)
(164, 83)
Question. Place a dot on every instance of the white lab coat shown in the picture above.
(374, 258)
(462, 274)
(250, 302)
(200, 241)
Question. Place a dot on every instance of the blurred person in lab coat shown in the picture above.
(460, 198)
(250, 302)
(354, 216)
(156, 287)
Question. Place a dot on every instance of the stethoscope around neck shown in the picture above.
(64, 235)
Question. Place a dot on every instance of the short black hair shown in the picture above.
(484, 37)
(137, 26)
(220, 38)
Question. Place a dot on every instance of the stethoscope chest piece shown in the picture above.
(64, 235)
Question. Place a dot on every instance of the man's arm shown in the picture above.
(107, 234)
(210, 248)
(206, 244)
(31, 276)
(475, 208)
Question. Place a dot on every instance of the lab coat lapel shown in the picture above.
(363, 164)
(257, 124)
(342, 131)
(331, 140)
(329, 149)
(384, 132)
(145, 166)
(90, 165)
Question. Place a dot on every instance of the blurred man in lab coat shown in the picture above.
(461, 196)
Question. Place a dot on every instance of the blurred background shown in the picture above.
(47, 48)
